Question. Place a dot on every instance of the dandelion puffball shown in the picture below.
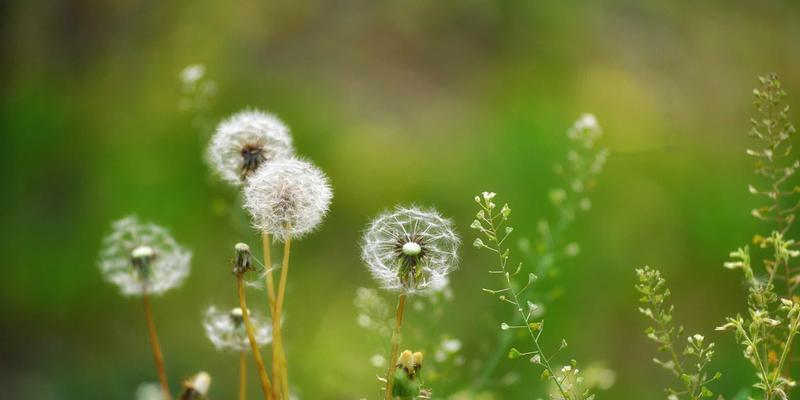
(245, 141)
(143, 258)
(226, 329)
(288, 199)
(410, 249)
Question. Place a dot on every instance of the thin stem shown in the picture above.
(270, 283)
(155, 346)
(525, 317)
(266, 386)
(398, 323)
(242, 375)
(279, 372)
(268, 265)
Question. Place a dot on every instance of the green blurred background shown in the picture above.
(398, 101)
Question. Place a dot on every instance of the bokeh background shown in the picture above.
(399, 102)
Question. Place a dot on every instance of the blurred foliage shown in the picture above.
(399, 102)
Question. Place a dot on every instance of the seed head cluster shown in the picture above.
(244, 142)
(410, 250)
(143, 257)
(226, 329)
(288, 198)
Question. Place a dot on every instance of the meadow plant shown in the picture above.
(143, 259)
(408, 251)
(286, 197)
(494, 231)
(197, 92)
(690, 366)
(768, 329)
(578, 175)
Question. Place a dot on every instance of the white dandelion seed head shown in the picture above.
(226, 329)
(139, 257)
(149, 391)
(289, 199)
(410, 250)
(246, 141)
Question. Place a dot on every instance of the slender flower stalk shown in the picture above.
(156, 346)
(398, 324)
(268, 274)
(242, 265)
(278, 353)
(242, 375)
(492, 224)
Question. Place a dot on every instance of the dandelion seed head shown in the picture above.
(289, 199)
(410, 250)
(149, 391)
(139, 257)
(226, 329)
(244, 142)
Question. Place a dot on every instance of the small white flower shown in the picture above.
(288, 199)
(410, 249)
(192, 73)
(245, 141)
(226, 329)
(143, 257)
(585, 130)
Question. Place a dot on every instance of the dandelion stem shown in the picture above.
(398, 323)
(266, 386)
(242, 375)
(156, 347)
(279, 371)
(268, 265)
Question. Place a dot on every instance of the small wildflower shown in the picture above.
(410, 249)
(585, 130)
(226, 329)
(288, 199)
(143, 257)
(191, 74)
(244, 142)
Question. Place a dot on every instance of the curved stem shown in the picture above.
(266, 386)
(279, 372)
(242, 375)
(155, 346)
(398, 323)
